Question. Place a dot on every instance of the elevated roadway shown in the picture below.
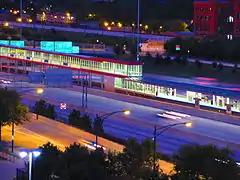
(90, 31)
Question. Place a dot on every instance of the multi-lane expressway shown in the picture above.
(89, 31)
(142, 119)
(35, 133)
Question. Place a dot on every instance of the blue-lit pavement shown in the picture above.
(142, 119)
(169, 143)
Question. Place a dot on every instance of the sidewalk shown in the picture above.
(8, 169)
(163, 105)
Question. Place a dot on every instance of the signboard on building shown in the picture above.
(17, 43)
(75, 50)
(4, 42)
(63, 47)
(178, 47)
(47, 45)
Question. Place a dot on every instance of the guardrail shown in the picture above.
(8, 157)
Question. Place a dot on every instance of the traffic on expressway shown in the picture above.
(141, 121)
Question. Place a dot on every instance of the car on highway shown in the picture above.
(92, 145)
(173, 115)
(5, 81)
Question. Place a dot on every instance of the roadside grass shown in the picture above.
(191, 70)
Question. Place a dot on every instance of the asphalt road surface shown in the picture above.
(140, 122)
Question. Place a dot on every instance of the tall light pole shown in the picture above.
(105, 116)
(38, 91)
(21, 11)
(158, 131)
(30, 155)
(12, 134)
(138, 31)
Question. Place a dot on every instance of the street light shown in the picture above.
(138, 30)
(38, 91)
(161, 130)
(21, 11)
(105, 116)
(30, 154)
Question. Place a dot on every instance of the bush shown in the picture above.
(158, 59)
(83, 122)
(214, 65)
(198, 63)
(44, 109)
(235, 68)
(178, 60)
(185, 61)
(167, 60)
(220, 67)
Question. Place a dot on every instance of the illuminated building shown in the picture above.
(217, 17)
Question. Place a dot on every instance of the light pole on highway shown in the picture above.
(138, 31)
(38, 91)
(104, 117)
(158, 131)
(30, 154)
(21, 11)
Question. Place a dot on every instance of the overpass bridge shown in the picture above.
(27, 60)
(91, 31)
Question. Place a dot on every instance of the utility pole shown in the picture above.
(21, 11)
(12, 135)
(84, 91)
(154, 147)
(138, 30)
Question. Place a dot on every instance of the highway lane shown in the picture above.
(141, 121)
(118, 128)
(38, 132)
(169, 142)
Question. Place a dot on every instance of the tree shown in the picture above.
(98, 125)
(11, 111)
(97, 163)
(44, 109)
(136, 161)
(47, 163)
(158, 59)
(86, 122)
(198, 63)
(50, 111)
(74, 163)
(40, 108)
(196, 161)
(82, 122)
(74, 117)
(117, 49)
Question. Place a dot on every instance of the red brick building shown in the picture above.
(217, 17)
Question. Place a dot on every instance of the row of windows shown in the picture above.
(201, 9)
(204, 18)
(176, 94)
(75, 62)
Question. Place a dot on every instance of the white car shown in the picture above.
(173, 115)
(5, 82)
(92, 145)
(164, 115)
